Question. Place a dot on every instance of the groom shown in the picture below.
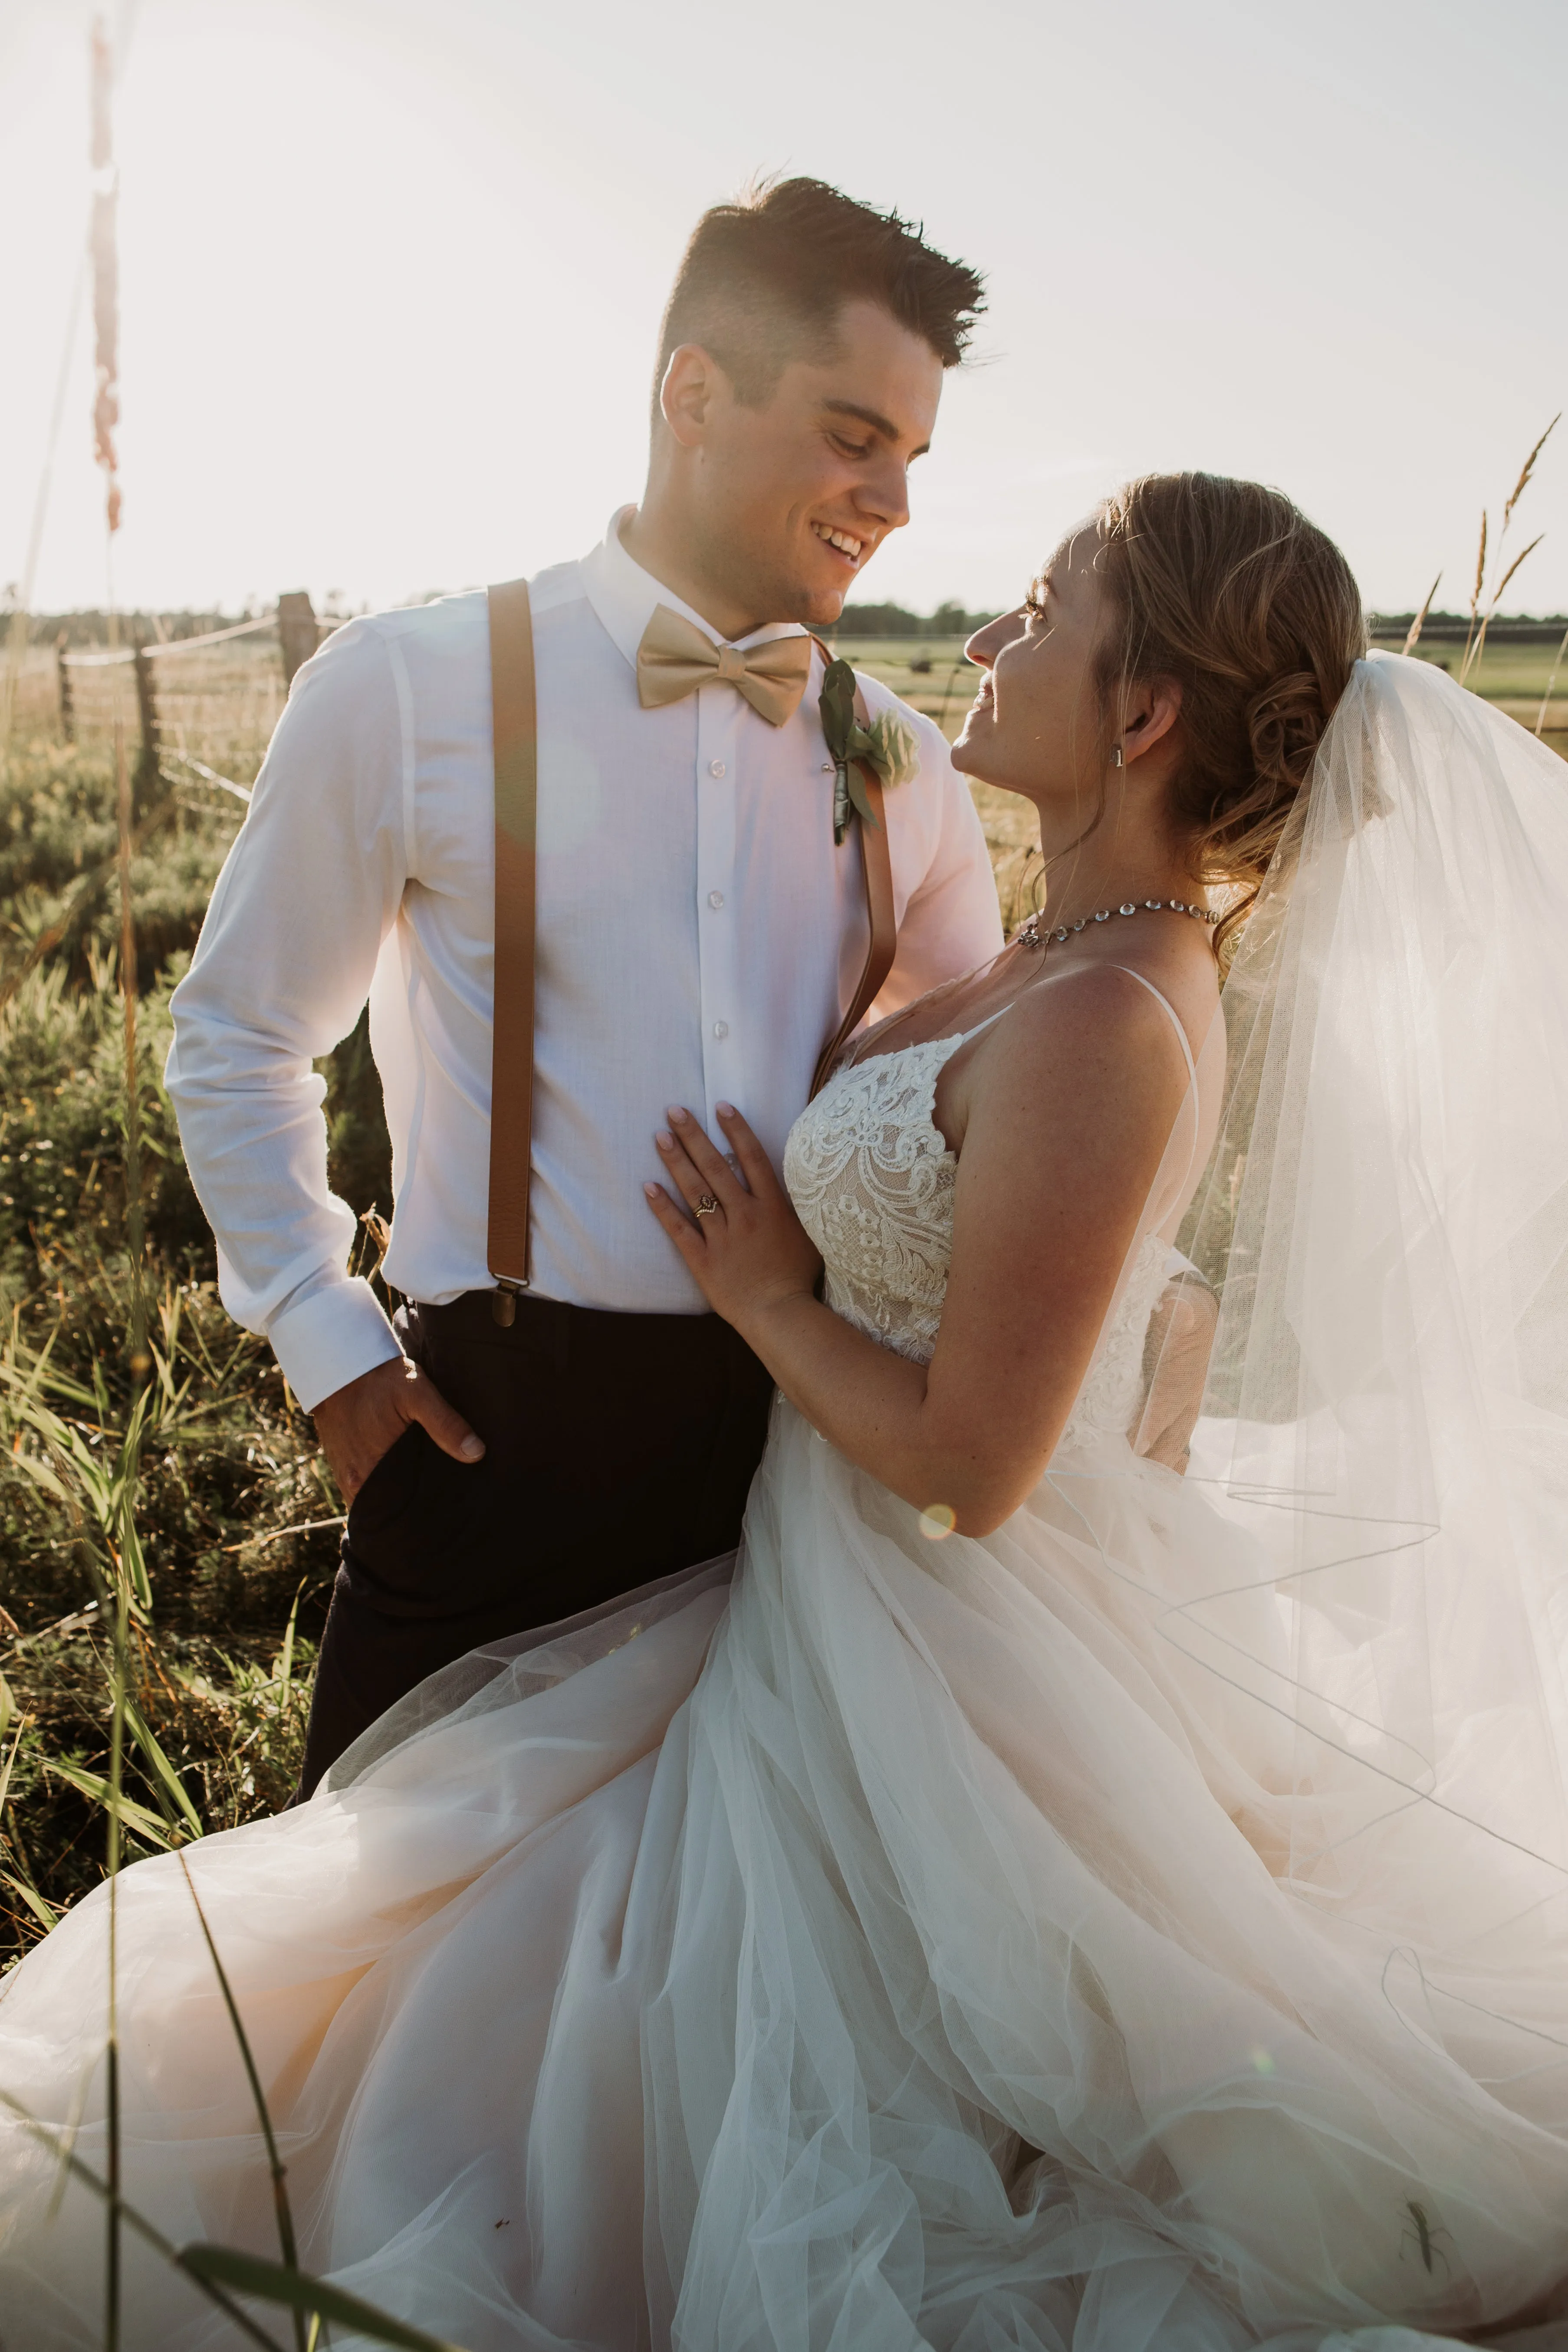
(699, 933)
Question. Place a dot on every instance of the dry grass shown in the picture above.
(167, 1527)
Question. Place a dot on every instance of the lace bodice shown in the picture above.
(871, 1179)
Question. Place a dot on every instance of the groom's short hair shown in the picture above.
(763, 279)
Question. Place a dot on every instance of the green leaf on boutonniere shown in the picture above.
(837, 705)
(855, 776)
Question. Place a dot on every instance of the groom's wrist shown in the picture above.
(330, 1338)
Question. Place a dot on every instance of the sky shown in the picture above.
(391, 271)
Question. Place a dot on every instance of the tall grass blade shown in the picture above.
(111, 2049)
(273, 2284)
(29, 1895)
(138, 1819)
(147, 2231)
(178, 1803)
(1475, 599)
(41, 1909)
(274, 2162)
(67, 2146)
(140, 1362)
(1546, 697)
(1512, 568)
(1529, 468)
(286, 1655)
(959, 667)
(1419, 623)
(1502, 583)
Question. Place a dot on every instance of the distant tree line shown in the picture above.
(90, 628)
(89, 625)
(1522, 629)
(894, 621)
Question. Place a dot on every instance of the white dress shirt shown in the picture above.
(698, 935)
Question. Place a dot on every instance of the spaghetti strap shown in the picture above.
(1176, 1023)
(963, 1035)
(1158, 996)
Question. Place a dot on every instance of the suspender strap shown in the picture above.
(511, 1046)
(877, 866)
(512, 702)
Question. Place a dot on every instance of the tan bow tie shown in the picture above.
(675, 658)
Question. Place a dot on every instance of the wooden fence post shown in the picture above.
(297, 631)
(147, 711)
(67, 708)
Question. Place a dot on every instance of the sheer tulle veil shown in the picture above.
(1368, 1550)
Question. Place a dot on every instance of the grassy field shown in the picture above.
(1507, 674)
(193, 1494)
(935, 676)
(232, 1544)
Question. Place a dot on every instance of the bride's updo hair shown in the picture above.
(1227, 588)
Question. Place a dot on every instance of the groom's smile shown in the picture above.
(848, 544)
(766, 502)
(844, 426)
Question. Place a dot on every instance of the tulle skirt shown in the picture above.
(880, 1943)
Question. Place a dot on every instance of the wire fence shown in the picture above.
(200, 711)
(203, 706)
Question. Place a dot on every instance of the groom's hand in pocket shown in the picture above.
(361, 1422)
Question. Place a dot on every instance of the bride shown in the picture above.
(1032, 1897)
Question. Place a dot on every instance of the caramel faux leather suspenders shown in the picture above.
(513, 704)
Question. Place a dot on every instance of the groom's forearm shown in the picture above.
(255, 1145)
(310, 886)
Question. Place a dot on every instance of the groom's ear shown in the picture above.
(686, 397)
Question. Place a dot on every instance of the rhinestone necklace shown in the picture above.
(1029, 934)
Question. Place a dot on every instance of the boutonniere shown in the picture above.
(888, 747)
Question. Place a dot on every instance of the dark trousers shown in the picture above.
(618, 1448)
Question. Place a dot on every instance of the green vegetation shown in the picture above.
(1508, 674)
(879, 621)
(235, 1518)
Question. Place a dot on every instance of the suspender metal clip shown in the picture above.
(503, 1302)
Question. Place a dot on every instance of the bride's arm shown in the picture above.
(1070, 1104)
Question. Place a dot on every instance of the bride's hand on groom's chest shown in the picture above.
(731, 1218)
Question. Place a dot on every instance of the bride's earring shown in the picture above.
(1115, 755)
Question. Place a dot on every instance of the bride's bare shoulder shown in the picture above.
(1099, 1030)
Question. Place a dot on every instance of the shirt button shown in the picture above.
(715, 899)
(716, 767)
(721, 1028)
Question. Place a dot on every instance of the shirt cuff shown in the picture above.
(330, 1338)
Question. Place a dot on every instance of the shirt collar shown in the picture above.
(624, 596)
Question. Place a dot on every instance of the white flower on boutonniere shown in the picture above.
(888, 747)
(892, 746)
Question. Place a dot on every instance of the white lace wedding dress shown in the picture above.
(888, 1948)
